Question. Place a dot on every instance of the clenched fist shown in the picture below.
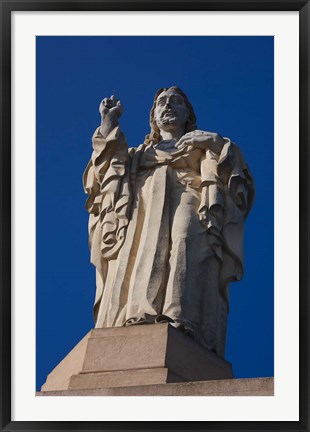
(110, 110)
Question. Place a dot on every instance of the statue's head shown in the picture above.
(171, 110)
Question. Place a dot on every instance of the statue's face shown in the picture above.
(171, 113)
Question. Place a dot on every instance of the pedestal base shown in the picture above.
(138, 355)
(231, 387)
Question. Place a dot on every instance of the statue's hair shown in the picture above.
(154, 136)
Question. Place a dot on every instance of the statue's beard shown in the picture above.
(168, 120)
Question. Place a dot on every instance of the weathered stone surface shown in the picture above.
(122, 348)
(123, 378)
(234, 387)
(136, 355)
(166, 221)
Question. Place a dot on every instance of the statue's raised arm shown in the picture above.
(105, 181)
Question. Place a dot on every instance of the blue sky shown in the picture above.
(229, 81)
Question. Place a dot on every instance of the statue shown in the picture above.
(166, 221)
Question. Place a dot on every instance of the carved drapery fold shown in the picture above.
(122, 193)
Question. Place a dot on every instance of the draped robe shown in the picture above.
(166, 233)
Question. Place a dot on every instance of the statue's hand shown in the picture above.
(202, 139)
(110, 110)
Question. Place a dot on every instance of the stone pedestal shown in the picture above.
(149, 354)
(230, 387)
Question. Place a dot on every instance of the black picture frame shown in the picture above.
(6, 8)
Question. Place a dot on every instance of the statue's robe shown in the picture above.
(166, 233)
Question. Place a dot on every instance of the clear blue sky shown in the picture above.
(229, 81)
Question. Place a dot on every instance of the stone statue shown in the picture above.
(166, 221)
